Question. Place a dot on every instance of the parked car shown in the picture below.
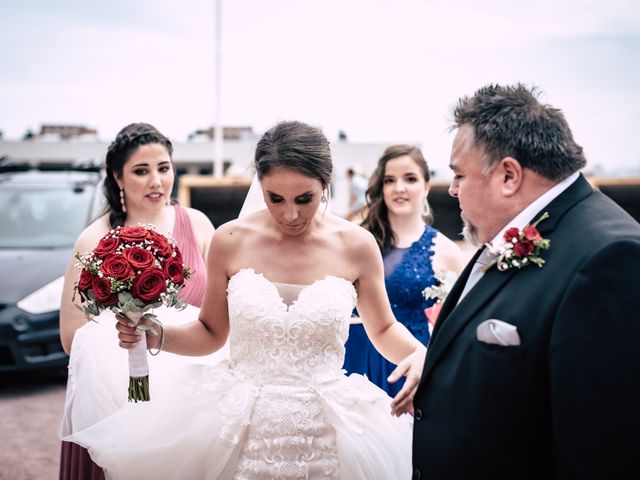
(42, 211)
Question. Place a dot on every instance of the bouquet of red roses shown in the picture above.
(131, 271)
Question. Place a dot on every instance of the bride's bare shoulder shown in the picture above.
(242, 229)
(353, 235)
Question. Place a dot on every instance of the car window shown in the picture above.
(43, 217)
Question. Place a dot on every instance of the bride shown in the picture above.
(281, 285)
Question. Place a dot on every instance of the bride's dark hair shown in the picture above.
(296, 146)
(126, 142)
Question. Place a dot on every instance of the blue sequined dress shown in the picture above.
(408, 271)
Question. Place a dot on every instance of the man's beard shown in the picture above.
(469, 232)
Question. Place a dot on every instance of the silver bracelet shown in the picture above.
(161, 343)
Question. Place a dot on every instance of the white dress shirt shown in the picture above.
(524, 218)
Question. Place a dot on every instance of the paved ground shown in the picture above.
(30, 412)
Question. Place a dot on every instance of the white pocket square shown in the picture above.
(498, 332)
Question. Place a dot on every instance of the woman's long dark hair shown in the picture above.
(377, 219)
(126, 142)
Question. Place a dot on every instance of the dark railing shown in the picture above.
(222, 199)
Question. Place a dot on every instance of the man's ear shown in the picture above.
(511, 176)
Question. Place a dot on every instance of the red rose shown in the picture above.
(510, 234)
(178, 256)
(84, 283)
(116, 266)
(134, 234)
(532, 233)
(139, 258)
(523, 248)
(149, 285)
(174, 271)
(102, 291)
(160, 243)
(106, 246)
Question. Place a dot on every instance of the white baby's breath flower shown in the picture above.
(445, 279)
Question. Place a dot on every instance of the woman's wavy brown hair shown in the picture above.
(377, 219)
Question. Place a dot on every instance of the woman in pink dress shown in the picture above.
(138, 185)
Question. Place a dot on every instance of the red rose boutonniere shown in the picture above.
(520, 247)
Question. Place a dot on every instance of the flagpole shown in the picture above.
(218, 134)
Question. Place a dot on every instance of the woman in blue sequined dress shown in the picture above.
(398, 217)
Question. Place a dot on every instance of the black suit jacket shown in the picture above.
(566, 402)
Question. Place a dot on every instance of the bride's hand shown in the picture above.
(410, 367)
(129, 335)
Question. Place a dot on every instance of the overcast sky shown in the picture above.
(383, 71)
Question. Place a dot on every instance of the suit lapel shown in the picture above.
(578, 191)
(454, 317)
(461, 314)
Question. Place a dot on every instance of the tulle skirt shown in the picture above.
(98, 375)
(213, 422)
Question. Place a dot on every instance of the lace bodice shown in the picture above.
(273, 343)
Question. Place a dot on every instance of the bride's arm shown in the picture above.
(207, 334)
(390, 337)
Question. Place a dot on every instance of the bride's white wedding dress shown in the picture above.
(99, 371)
(279, 408)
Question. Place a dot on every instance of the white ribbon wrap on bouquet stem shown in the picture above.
(138, 364)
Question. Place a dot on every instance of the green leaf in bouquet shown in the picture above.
(130, 306)
(187, 272)
(139, 302)
(151, 327)
(90, 310)
(156, 304)
(124, 297)
(91, 295)
(171, 301)
(152, 317)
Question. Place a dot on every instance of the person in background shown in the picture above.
(137, 188)
(357, 194)
(282, 283)
(533, 369)
(398, 216)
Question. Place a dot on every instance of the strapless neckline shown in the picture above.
(252, 270)
(289, 292)
(302, 287)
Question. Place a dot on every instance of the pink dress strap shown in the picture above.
(193, 290)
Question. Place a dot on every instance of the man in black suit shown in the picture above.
(533, 369)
